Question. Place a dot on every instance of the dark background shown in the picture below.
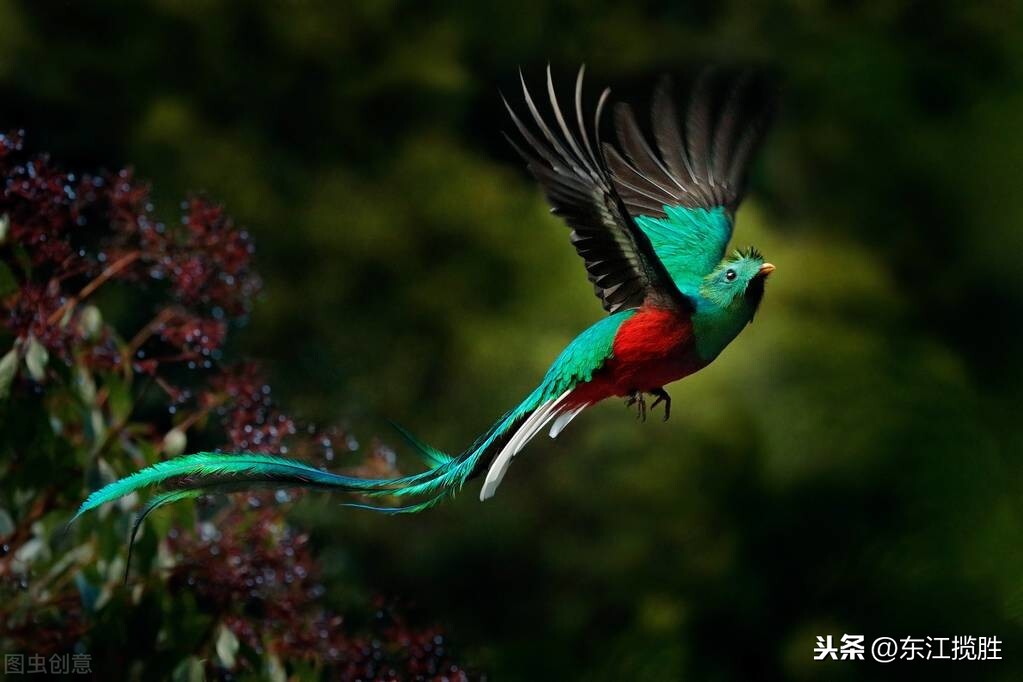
(849, 465)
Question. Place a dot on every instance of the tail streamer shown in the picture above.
(202, 473)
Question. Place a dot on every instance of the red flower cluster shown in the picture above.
(194, 335)
(28, 314)
(212, 266)
(39, 201)
(249, 416)
(71, 235)
(260, 580)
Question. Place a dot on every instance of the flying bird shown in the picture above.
(652, 225)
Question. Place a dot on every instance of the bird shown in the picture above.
(652, 224)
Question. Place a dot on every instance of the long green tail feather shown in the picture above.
(445, 476)
(201, 472)
(198, 474)
(250, 467)
(205, 473)
(194, 475)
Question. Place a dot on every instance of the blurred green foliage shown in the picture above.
(848, 465)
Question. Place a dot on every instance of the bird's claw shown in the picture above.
(636, 398)
(662, 396)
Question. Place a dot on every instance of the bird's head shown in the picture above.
(737, 283)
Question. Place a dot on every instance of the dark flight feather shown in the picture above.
(641, 156)
(698, 130)
(667, 135)
(705, 167)
(620, 262)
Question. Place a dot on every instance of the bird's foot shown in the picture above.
(662, 396)
(636, 398)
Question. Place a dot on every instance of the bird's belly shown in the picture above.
(652, 348)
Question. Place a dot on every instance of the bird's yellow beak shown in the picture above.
(765, 270)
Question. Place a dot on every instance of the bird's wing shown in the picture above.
(620, 261)
(684, 194)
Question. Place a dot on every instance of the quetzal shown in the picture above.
(652, 228)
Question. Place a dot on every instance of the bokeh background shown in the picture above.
(849, 465)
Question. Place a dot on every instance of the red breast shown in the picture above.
(652, 348)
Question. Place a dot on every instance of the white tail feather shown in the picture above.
(532, 426)
(564, 418)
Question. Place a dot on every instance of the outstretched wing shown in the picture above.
(684, 195)
(620, 261)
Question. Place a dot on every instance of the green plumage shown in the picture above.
(206, 466)
(575, 364)
(583, 356)
(690, 242)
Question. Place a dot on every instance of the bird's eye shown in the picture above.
(730, 275)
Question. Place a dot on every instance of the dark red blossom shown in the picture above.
(38, 201)
(194, 334)
(212, 267)
(54, 627)
(68, 236)
(245, 574)
(29, 312)
(130, 210)
(11, 142)
(249, 416)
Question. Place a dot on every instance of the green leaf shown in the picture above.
(24, 259)
(90, 322)
(96, 426)
(119, 398)
(36, 357)
(6, 523)
(85, 384)
(31, 551)
(275, 669)
(189, 670)
(8, 370)
(5, 224)
(227, 647)
(174, 442)
(8, 283)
